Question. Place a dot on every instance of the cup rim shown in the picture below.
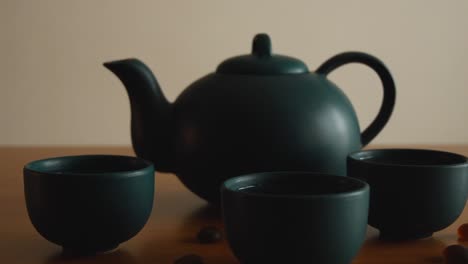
(360, 157)
(362, 185)
(138, 171)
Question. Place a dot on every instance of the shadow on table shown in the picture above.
(415, 251)
(118, 256)
(206, 215)
(166, 247)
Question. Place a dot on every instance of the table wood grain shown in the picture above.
(176, 218)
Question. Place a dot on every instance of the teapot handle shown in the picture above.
(389, 93)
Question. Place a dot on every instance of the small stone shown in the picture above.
(189, 259)
(455, 254)
(209, 234)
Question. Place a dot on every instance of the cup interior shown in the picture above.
(409, 157)
(293, 184)
(88, 164)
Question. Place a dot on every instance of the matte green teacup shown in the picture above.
(90, 203)
(295, 217)
(414, 192)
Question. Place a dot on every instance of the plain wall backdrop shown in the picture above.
(54, 89)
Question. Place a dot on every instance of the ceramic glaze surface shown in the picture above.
(266, 223)
(414, 192)
(89, 203)
(257, 112)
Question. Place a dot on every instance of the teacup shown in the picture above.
(90, 203)
(295, 217)
(414, 192)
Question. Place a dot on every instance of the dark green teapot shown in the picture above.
(257, 112)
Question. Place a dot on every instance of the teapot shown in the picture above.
(256, 112)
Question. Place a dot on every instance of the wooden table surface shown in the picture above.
(176, 218)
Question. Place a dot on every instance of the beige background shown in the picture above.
(53, 89)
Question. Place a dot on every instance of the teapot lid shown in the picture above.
(262, 61)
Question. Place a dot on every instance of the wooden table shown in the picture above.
(170, 232)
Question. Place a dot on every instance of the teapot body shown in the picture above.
(227, 125)
(257, 113)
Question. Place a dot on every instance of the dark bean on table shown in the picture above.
(209, 234)
(463, 232)
(456, 254)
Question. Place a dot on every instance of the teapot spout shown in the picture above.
(151, 113)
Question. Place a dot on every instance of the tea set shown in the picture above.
(276, 146)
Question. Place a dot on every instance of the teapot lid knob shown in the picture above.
(261, 45)
(261, 61)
